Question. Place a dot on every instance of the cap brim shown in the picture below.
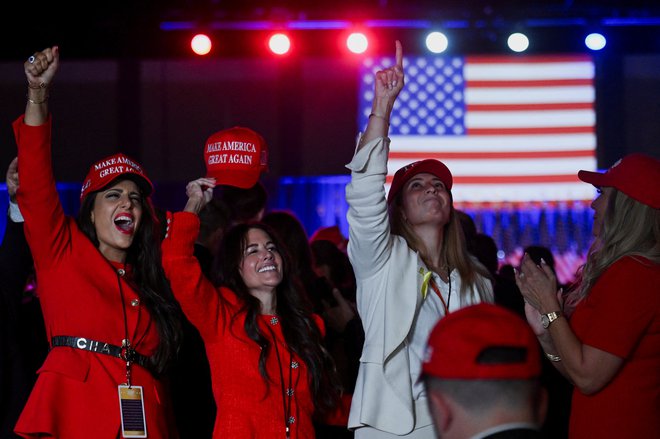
(595, 178)
(240, 179)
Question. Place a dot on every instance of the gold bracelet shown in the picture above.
(380, 117)
(37, 102)
(552, 357)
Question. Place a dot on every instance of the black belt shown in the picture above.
(100, 348)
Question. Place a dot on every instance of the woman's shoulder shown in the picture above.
(635, 262)
(632, 269)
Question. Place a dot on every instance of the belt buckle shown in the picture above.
(127, 354)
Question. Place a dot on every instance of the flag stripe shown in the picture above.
(529, 83)
(504, 167)
(530, 95)
(530, 119)
(498, 142)
(505, 59)
(546, 130)
(421, 155)
(532, 107)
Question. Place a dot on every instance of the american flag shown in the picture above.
(511, 129)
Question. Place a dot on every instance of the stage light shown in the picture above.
(357, 42)
(201, 44)
(437, 42)
(595, 41)
(518, 42)
(279, 44)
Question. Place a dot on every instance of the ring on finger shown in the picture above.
(31, 59)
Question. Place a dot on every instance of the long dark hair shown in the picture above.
(301, 333)
(154, 289)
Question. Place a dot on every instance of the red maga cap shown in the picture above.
(482, 341)
(432, 166)
(330, 233)
(236, 157)
(107, 170)
(636, 175)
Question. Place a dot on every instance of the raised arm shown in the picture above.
(40, 70)
(387, 85)
(199, 193)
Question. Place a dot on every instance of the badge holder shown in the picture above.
(131, 403)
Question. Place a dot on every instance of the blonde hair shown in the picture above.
(629, 228)
(454, 249)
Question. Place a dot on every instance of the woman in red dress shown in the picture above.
(110, 316)
(270, 374)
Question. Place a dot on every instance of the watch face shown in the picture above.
(545, 321)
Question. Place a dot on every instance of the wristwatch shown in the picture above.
(550, 317)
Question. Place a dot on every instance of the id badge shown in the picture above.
(131, 407)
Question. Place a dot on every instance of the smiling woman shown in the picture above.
(265, 346)
(104, 270)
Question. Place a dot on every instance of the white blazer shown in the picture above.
(389, 279)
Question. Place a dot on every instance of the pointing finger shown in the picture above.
(399, 54)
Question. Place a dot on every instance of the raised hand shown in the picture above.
(40, 68)
(199, 193)
(389, 82)
(538, 285)
(387, 85)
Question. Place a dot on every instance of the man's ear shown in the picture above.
(441, 411)
(542, 406)
(91, 217)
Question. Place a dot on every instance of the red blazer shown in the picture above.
(246, 406)
(76, 396)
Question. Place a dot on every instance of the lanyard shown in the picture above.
(127, 350)
(286, 393)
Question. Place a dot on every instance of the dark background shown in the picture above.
(126, 84)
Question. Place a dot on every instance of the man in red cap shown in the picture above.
(481, 373)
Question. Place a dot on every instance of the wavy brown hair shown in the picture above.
(629, 228)
(300, 331)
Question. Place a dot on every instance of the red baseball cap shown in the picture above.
(107, 170)
(432, 166)
(636, 175)
(331, 233)
(236, 157)
(482, 341)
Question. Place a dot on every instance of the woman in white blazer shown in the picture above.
(412, 268)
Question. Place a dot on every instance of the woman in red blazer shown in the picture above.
(269, 372)
(109, 314)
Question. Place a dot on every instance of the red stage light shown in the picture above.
(279, 44)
